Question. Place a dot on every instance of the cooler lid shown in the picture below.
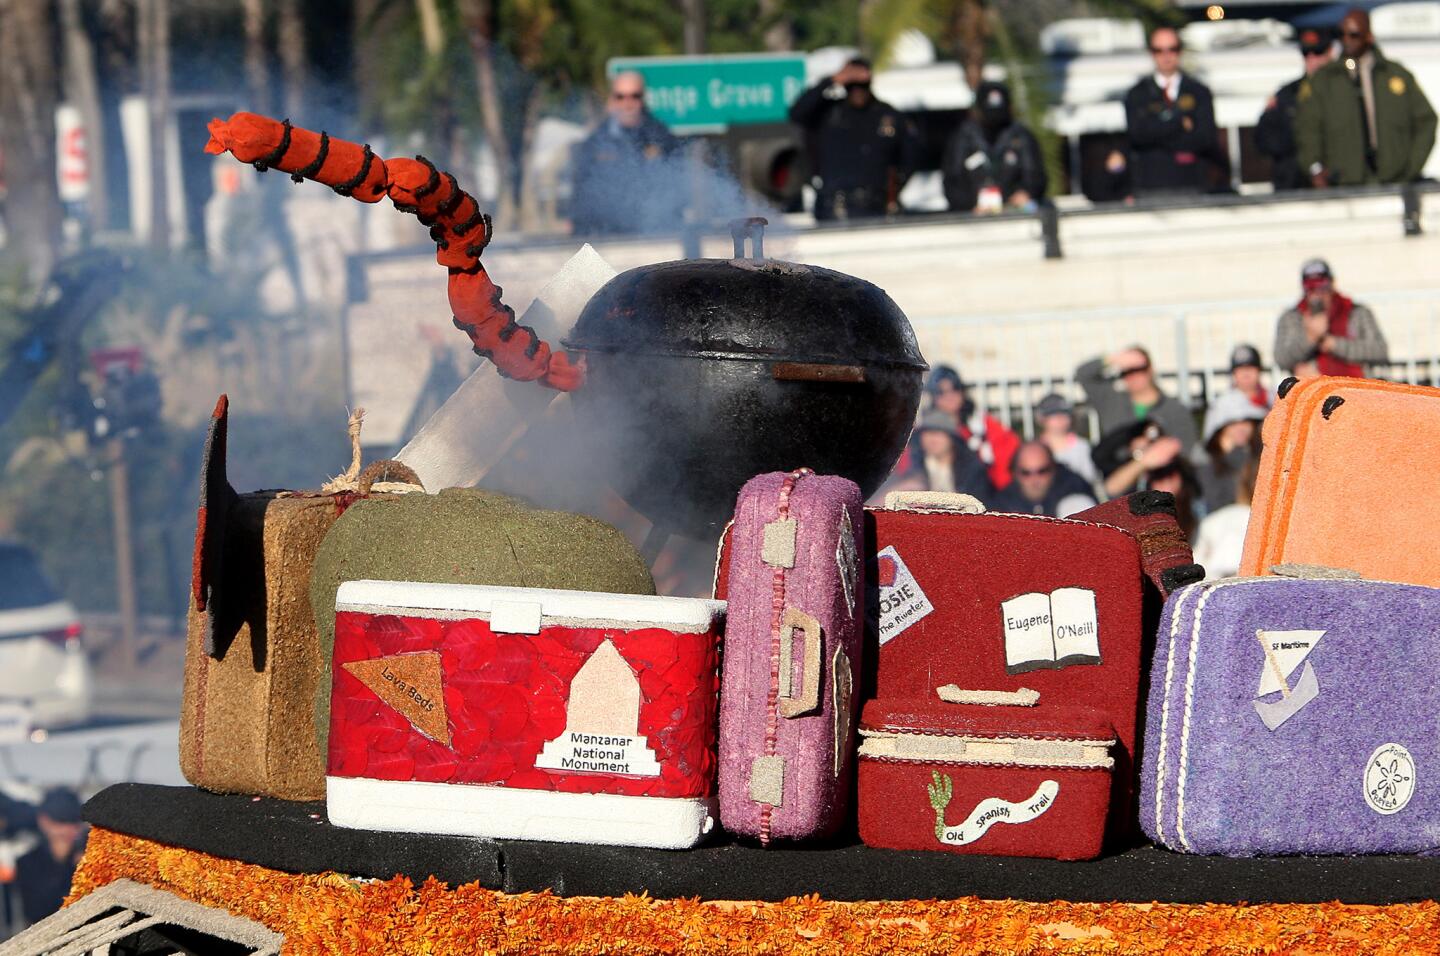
(519, 610)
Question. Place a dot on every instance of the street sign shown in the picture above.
(707, 94)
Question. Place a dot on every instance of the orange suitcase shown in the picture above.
(1339, 452)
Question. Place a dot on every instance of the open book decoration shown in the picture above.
(1050, 630)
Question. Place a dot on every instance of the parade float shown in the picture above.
(433, 719)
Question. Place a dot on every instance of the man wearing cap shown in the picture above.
(1327, 333)
(991, 161)
(1363, 118)
(626, 177)
(983, 433)
(862, 150)
(1056, 419)
(1170, 122)
(1138, 396)
(1245, 367)
(44, 874)
(1275, 133)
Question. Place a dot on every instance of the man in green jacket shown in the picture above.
(1362, 118)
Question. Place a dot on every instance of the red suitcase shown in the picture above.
(1164, 550)
(1000, 602)
(1008, 777)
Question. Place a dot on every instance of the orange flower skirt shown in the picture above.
(331, 913)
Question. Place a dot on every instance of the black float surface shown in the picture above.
(295, 837)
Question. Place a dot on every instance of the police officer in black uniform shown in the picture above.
(862, 149)
(991, 161)
(1170, 122)
(1275, 133)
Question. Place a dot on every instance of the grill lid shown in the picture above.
(753, 309)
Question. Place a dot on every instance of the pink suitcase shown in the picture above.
(788, 698)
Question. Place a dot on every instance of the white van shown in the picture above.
(45, 676)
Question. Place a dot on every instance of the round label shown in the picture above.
(1389, 779)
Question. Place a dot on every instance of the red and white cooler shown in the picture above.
(524, 713)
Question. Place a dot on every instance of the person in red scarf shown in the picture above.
(1327, 333)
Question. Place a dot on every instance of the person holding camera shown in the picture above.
(862, 149)
(1122, 390)
(1327, 333)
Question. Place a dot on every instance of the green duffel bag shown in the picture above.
(464, 536)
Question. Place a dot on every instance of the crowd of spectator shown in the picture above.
(1144, 437)
(1353, 120)
(1353, 117)
(1350, 119)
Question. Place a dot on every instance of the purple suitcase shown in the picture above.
(791, 661)
(1291, 715)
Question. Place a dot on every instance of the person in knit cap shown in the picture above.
(1055, 421)
(941, 461)
(1246, 370)
(982, 432)
(44, 874)
(1232, 438)
(1327, 333)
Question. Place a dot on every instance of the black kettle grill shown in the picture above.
(702, 373)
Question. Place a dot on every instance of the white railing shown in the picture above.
(1011, 361)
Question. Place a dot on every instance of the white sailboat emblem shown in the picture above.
(1284, 652)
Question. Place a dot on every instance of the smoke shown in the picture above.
(251, 300)
(690, 189)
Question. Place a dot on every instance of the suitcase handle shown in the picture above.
(933, 501)
(807, 699)
(1024, 697)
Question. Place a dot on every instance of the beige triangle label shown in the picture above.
(410, 683)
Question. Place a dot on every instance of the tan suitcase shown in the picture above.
(252, 655)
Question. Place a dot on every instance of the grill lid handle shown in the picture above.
(752, 228)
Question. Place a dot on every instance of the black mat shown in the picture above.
(285, 836)
(280, 835)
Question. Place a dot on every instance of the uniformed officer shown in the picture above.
(1362, 118)
(1170, 122)
(991, 161)
(1275, 133)
(862, 149)
(626, 176)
